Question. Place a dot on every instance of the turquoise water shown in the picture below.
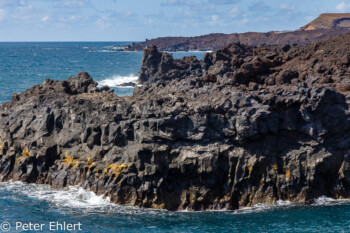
(25, 64)
(39, 204)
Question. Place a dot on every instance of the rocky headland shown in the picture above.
(325, 26)
(245, 125)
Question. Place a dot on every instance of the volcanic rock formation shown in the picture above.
(245, 125)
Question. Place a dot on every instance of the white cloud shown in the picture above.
(150, 21)
(103, 23)
(234, 12)
(215, 20)
(285, 6)
(224, 1)
(214, 17)
(176, 3)
(74, 3)
(342, 7)
(2, 14)
(45, 18)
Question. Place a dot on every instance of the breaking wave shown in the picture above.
(118, 80)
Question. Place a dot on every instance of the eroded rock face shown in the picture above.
(208, 141)
(324, 63)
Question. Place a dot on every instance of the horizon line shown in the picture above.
(49, 41)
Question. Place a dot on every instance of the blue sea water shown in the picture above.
(39, 204)
(25, 64)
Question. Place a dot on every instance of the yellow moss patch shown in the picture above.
(25, 154)
(287, 174)
(68, 159)
(158, 206)
(275, 167)
(262, 180)
(2, 143)
(114, 169)
(70, 162)
(90, 164)
(340, 172)
(250, 170)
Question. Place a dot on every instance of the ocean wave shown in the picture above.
(72, 199)
(78, 199)
(74, 196)
(118, 80)
(265, 207)
(108, 51)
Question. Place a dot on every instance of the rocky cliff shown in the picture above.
(245, 125)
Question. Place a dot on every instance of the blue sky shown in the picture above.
(136, 20)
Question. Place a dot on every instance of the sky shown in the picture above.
(137, 20)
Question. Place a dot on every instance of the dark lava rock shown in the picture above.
(193, 136)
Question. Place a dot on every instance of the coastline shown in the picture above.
(88, 199)
(242, 126)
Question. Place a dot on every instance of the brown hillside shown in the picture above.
(328, 21)
(325, 26)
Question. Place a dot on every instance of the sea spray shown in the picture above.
(117, 80)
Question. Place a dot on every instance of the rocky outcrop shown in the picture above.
(158, 66)
(244, 125)
(324, 63)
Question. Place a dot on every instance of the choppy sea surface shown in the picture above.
(25, 64)
(40, 204)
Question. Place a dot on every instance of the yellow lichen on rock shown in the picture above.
(25, 154)
(262, 180)
(114, 169)
(2, 143)
(287, 174)
(340, 172)
(90, 164)
(275, 167)
(68, 159)
(250, 170)
(70, 162)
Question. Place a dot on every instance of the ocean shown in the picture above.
(23, 65)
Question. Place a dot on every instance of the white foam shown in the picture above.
(264, 207)
(108, 51)
(73, 198)
(191, 51)
(327, 201)
(118, 80)
(87, 201)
